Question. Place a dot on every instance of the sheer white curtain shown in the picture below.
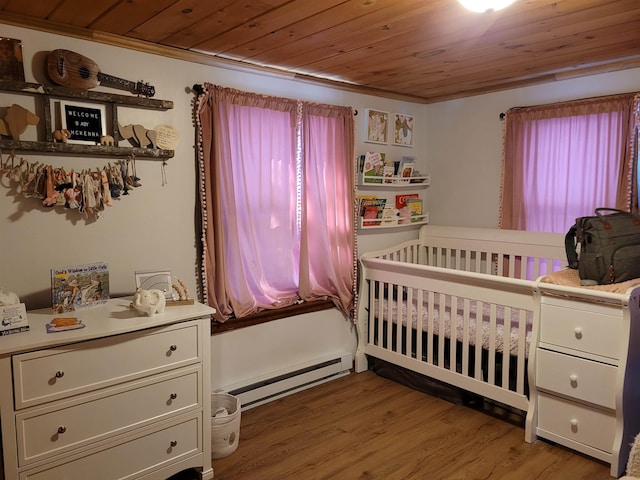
(564, 160)
(277, 196)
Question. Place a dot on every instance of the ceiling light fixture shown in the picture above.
(483, 6)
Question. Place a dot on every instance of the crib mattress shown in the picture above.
(479, 325)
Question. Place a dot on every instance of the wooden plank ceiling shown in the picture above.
(421, 50)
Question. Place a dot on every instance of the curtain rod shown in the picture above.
(199, 89)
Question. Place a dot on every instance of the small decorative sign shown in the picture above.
(13, 319)
(167, 137)
(85, 121)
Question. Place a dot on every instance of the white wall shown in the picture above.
(464, 144)
(155, 226)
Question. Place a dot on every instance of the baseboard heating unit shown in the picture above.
(300, 377)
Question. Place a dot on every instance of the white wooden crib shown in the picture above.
(464, 306)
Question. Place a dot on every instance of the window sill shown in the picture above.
(269, 315)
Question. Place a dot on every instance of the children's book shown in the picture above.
(415, 205)
(388, 173)
(372, 211)
(372, 170)
(401, 200)
(389, 215)
(407, 166)
(80, 286)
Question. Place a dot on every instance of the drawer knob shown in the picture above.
(578, 332)
(173, 348)
(573, 422)
(59, 374)
(574, 378)
(174, 443)
(173, 396)
(62, 429)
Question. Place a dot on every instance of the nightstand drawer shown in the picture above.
(129, 459)
(579, 378)
(576, 422)
(65, 426)
(596, 330)
(60, 372)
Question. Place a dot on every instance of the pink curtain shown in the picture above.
(277, 189)
(562, 161)
(328, 263)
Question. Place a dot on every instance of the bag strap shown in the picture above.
(570, 247)
(614, 210)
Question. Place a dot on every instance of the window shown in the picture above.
(277, 196)
(562, 161)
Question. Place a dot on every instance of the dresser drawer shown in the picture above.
(63, 426)
(130, 459)
(576, 422)
(579, 378)
(60, 372)
(596, 329)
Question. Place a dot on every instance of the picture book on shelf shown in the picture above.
(407, 166)
(388, 173)
(372, 170)
(401, 200)
(79, 286)
(415, 206)
(361, 199)
(371, 211)
(389, 215)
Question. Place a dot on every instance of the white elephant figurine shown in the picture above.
(9, 298)
(149, 302)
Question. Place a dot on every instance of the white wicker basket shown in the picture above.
(225, 424)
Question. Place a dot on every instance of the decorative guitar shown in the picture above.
(73, 70)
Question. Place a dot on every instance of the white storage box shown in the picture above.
(225, 424)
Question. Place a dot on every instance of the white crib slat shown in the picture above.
(522, 346)
(431, 322)
(452, 334)
(465, 336)
(430, 315)
(419, 329)
(506, 346)
(492, 344)
(441, 316)
(372, 310)
(392, 300)
(409, 318)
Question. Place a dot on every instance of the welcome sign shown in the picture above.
(85, 122)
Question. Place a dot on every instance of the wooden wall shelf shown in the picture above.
(84, 150)
(112, 101)
(27, 88)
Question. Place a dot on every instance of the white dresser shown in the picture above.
(125, 397)
(586, 394)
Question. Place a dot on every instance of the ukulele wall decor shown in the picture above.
(73, 70)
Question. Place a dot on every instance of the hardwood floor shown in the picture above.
(365, 427)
